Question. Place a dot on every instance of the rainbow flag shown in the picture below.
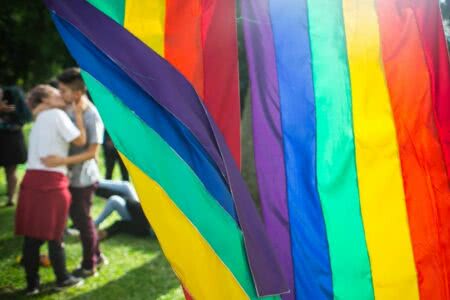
(351, 128)
(156, 74)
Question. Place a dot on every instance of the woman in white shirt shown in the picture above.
(44, 198)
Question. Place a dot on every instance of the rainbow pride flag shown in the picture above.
(156, 72)
(351, 112)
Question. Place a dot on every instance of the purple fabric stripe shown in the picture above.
(267, 135)
(173, 92)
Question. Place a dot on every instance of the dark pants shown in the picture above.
(80, 213)
(127, 227)
(31, 260)
(111, 157)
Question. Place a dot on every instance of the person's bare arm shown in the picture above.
(52, 161)
(79, 122)
(6, 108)
(38, 109)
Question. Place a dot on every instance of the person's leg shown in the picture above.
(58, 260)
(114, 203)
(108, 188)
(123, 170)
(80, 215)
(30, 254)
(110, 160)
(115, 228)
(127, 227)
(11, 180)
(108, 209)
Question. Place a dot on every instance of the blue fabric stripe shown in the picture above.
(310, 253)
(180, 139)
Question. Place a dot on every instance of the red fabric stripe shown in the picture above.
(220, 59)
(433, 41)
(187, 296)
(425, 181)
(183, 48)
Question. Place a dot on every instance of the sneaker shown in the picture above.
(102, 235)
(72, 232)
(44, 261)
(31, 291)
(102, 261)
(69, 282)
(84, 273)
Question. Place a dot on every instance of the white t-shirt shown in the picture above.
(51, 134)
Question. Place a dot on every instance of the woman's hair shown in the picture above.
(37, 94)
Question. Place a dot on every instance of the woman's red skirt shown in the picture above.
(43, 207)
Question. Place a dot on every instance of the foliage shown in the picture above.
(31, 50)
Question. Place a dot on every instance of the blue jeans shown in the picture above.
(124, 189)
(115, 203)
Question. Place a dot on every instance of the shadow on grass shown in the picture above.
(137, 284)
(47, 289)
(133, 285)
(11, 246)
(147, 281)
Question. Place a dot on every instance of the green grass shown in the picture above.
(137, 269)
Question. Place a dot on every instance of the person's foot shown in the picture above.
(101, 235)
(84, 273)
(31, 291)
(44, 261)
(102, 261)
(72, 232)
(71, 281)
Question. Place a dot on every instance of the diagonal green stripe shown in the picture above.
(145, 148)
(115, 9)
(336, 166)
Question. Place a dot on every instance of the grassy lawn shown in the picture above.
(137, 269)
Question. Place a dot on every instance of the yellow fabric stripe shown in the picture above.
(379, 173)
(206, 275)
(146, 20)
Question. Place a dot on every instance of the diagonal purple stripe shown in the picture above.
(268, 143)
(173, 92)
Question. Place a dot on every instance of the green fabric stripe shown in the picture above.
(336, 166)
(145, 148)
(115, 9)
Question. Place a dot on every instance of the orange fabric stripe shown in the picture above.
(183, 48)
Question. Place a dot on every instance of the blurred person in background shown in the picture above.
(13, 115)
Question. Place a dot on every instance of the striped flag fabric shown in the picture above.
(156, 74)
(350, 104)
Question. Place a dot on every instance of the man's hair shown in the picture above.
(72, 78)
(37, 94)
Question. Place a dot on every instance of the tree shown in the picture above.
(31, 50)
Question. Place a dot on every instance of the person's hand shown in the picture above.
(5, 107)
(78, 107)
(52, 161)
